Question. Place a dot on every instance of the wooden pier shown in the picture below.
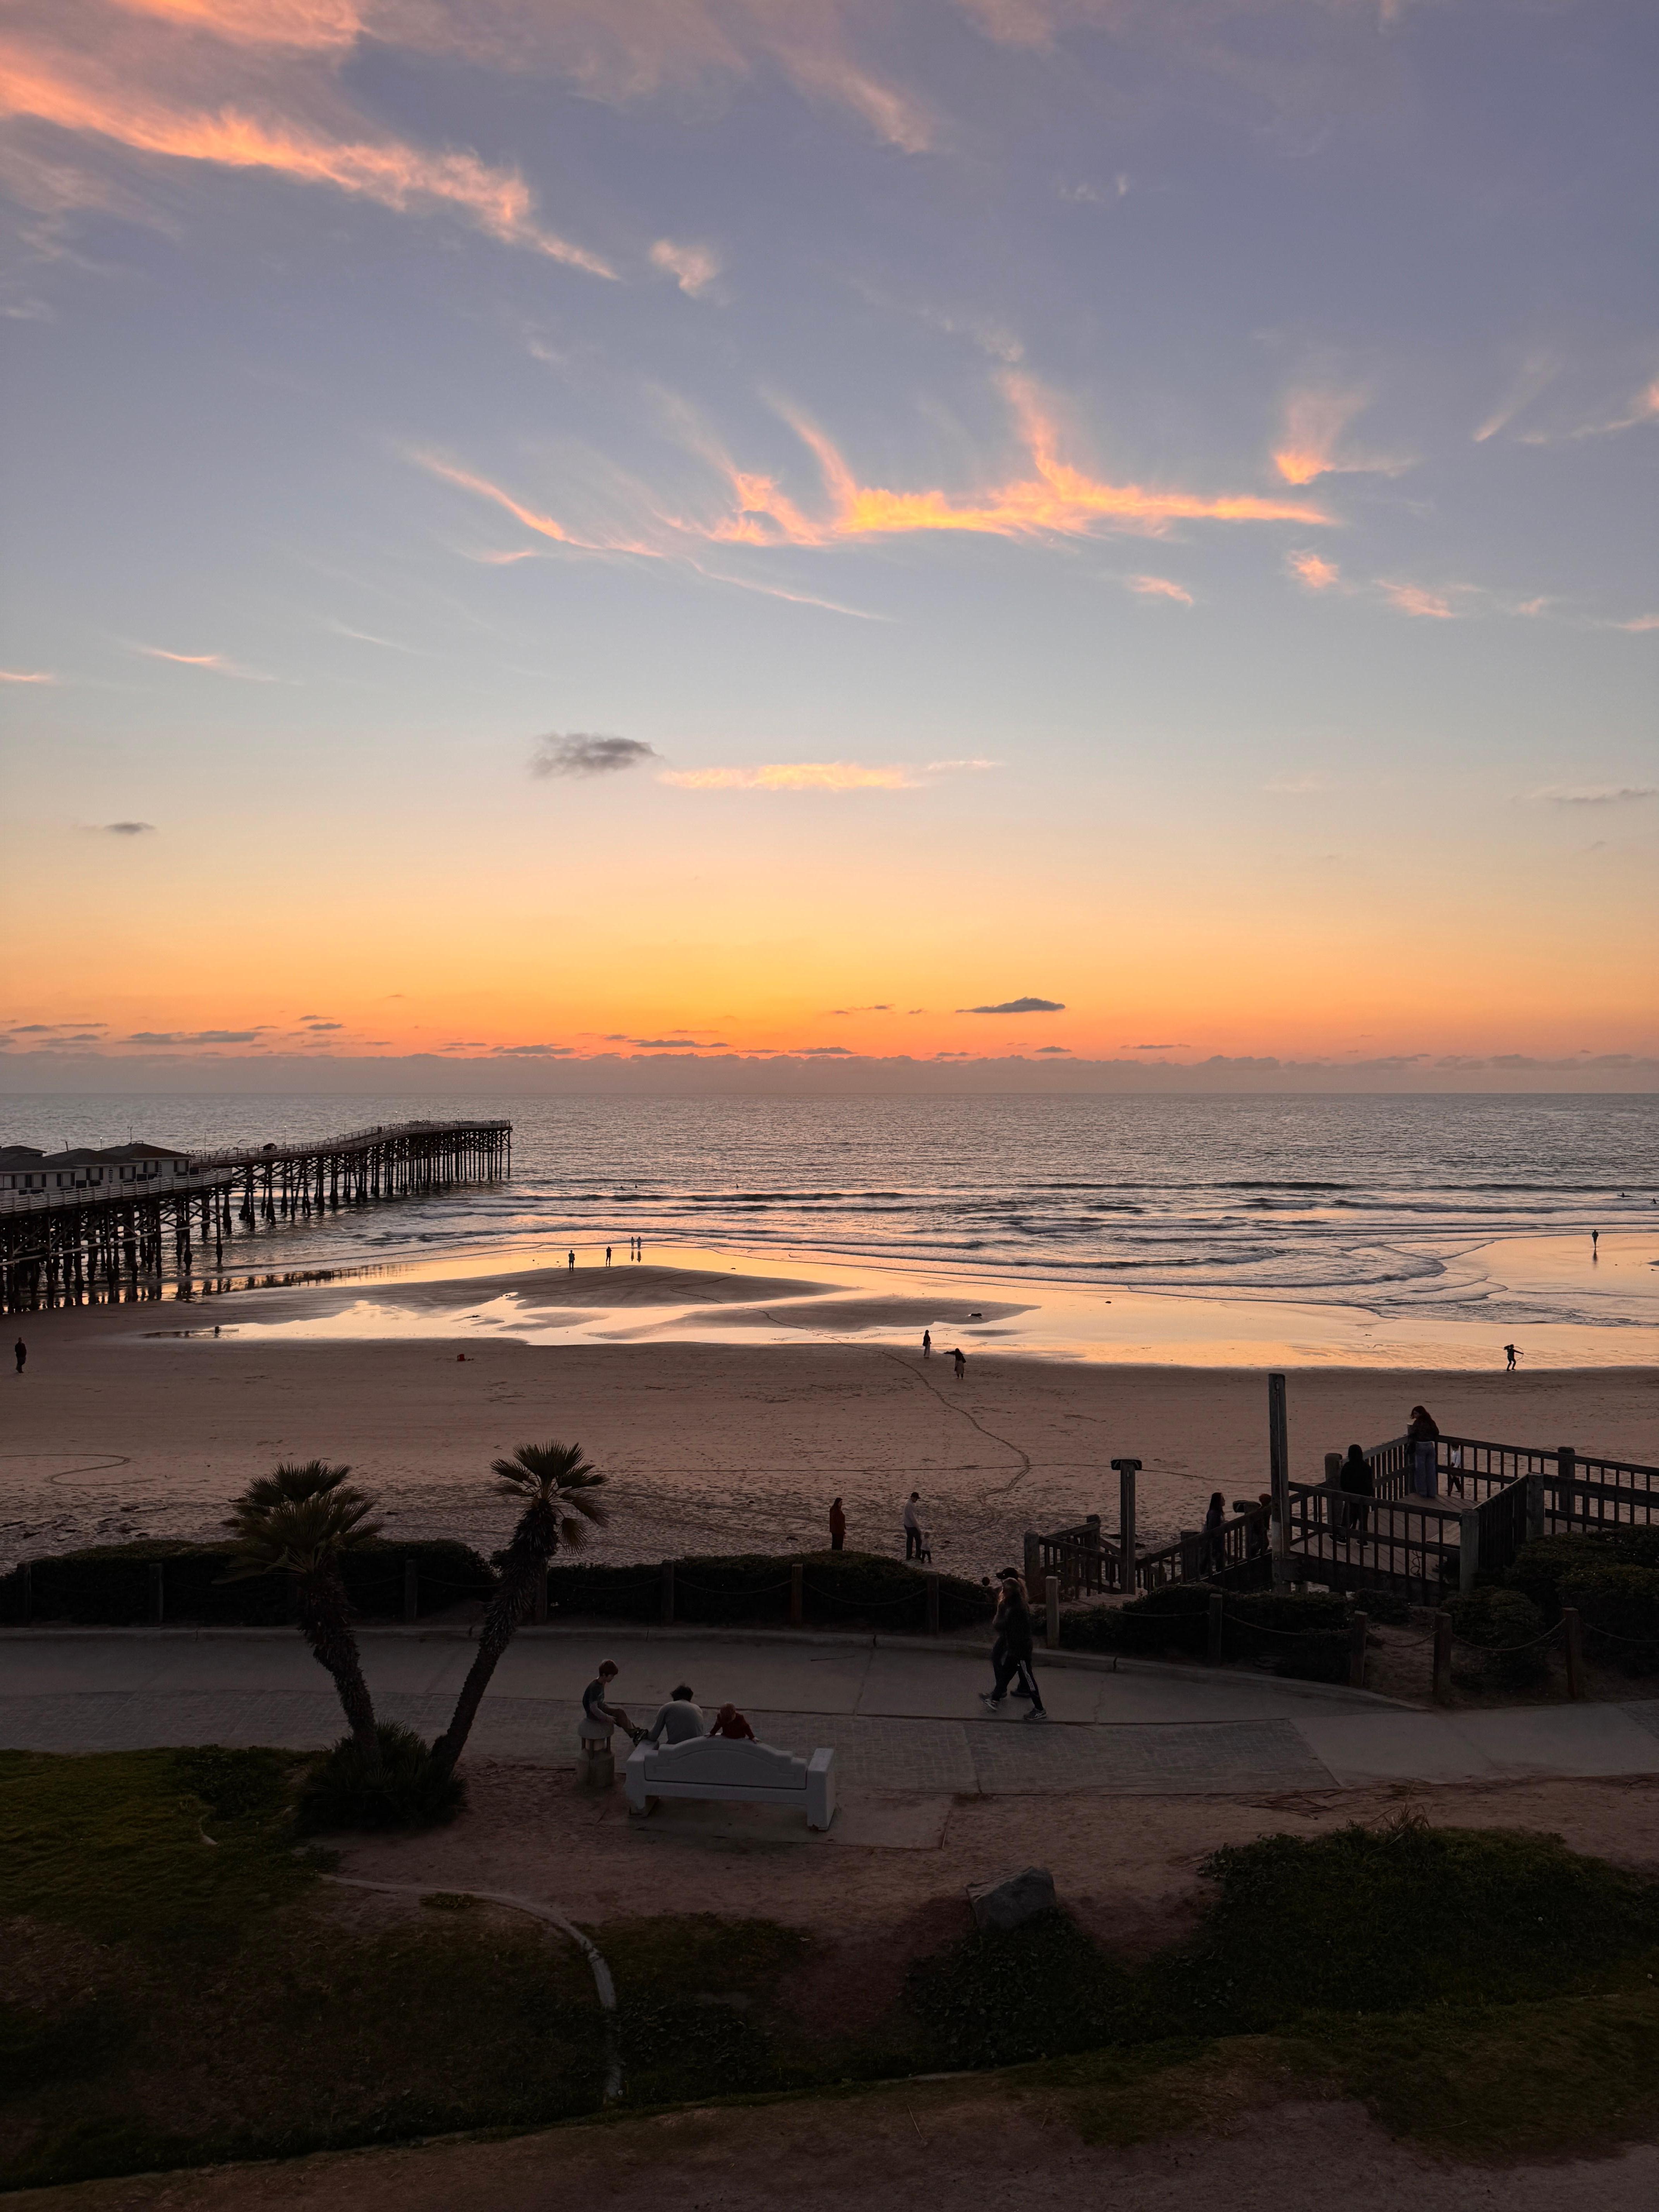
(78, 1249)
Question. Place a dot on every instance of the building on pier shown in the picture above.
(24, 1168)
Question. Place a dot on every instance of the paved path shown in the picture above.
(900, 1721)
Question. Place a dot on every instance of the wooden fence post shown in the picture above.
(1469, 1547)
(411, 1590)
(933, 1602)
(1359, 1629)
(1566, 1465)
(1217, 1625)
(1051, 1625)
(1279, 1463)
(1573, 1633)
(668, 1593)
(1443, 1633)
(157, 1593)
(797, 1594)
(1534, 1507)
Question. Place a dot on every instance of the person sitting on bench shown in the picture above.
(679, 1720)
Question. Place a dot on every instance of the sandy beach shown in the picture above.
(122, 1426)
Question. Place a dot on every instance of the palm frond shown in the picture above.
(294, 1521)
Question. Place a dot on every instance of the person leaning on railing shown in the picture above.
(1356, 1480)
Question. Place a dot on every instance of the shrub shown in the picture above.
(840, 1590)
(1539, 1568)
(113, 1584)
(1303, 1632)
(1000, 1996)
(409, 1792)
(1622, 1604)
(1494, 1618)
(1380, 1919)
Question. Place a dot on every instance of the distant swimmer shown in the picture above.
(927, 1344)
(961, 1358)
(1511, 1355)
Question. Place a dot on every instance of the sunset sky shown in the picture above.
(1119, 530)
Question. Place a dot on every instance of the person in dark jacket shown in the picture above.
(837, 1525)
(1357, 1481)
(1215, 1550)
(1423, 1437)
(1011, 1652)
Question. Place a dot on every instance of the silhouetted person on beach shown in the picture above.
(927, 1344)
(607, 1255)
(1596, 1239)
(961, 1358)
(570, 1259)
(1510, 1354)
(837, 1526)
(20, 1352)
(912, 1520)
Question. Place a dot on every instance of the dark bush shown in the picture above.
(409, 1792)
(1539, 1568)
(1505, 1624)
(840, 1590)
(1000, 1996)
(1381, 1919)
(236, 1785)
(113, 1584)
(1297, 1633)
(1619, 1608)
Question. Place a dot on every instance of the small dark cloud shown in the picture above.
(311, 1022)
(1019, 1006)
(581, 754)
(882, 1009)
(193, 1036)
(532, 1051)
(124, 829)
(825, 1052)
(1054, 1047)
(659, 1044)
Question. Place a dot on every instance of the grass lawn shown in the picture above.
(181, 1986)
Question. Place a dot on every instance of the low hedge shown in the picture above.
(1539, 1568)
(1304, 1633)
(839, 1589)
(1504, 1624)
(1619, 1606)
(112, 1585)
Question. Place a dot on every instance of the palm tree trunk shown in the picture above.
(512, 1600)
(326, 1627)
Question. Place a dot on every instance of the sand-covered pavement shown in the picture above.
(119, 1427)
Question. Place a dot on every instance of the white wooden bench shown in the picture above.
(734, 1769)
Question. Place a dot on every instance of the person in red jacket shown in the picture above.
(730, 1722)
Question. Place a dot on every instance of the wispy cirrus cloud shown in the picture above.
(1536, 372)
(216, 664)
(1157, 587)
(1418, 599)
(1315, 420)
(259, 94)
(1313, 571)
(693, 268)
(1595, 794)
(794, 775)
(1055, 499)
(1637, 412)
(25, 676)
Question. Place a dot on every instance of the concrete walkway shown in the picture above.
(901, 1720)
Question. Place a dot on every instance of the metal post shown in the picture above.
(797, 1594)
(668, 1593)
(1469, 1547)
(1127, 1471)
(1359, 1629)
(1217, 1626)
(1443, 1633)
(1051, 1625)
(933, 1602)
(1279, 1461)
(1572, 1635)
(411, 1590)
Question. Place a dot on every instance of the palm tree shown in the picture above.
(555, 1486)
(300, 1521)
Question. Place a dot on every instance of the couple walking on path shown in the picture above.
(1014, 1648)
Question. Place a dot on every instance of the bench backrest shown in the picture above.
(718, 1758)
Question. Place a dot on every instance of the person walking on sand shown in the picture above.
(607, 1255)
(20, 1354)
(837, 1525)
(927, 1344)
(1423, 1437)
(912, 1523)
(1511, 1353)
(961, 1358)
(570, 1259)
(1015, 1646)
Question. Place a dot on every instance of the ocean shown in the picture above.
(1391, 1206)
